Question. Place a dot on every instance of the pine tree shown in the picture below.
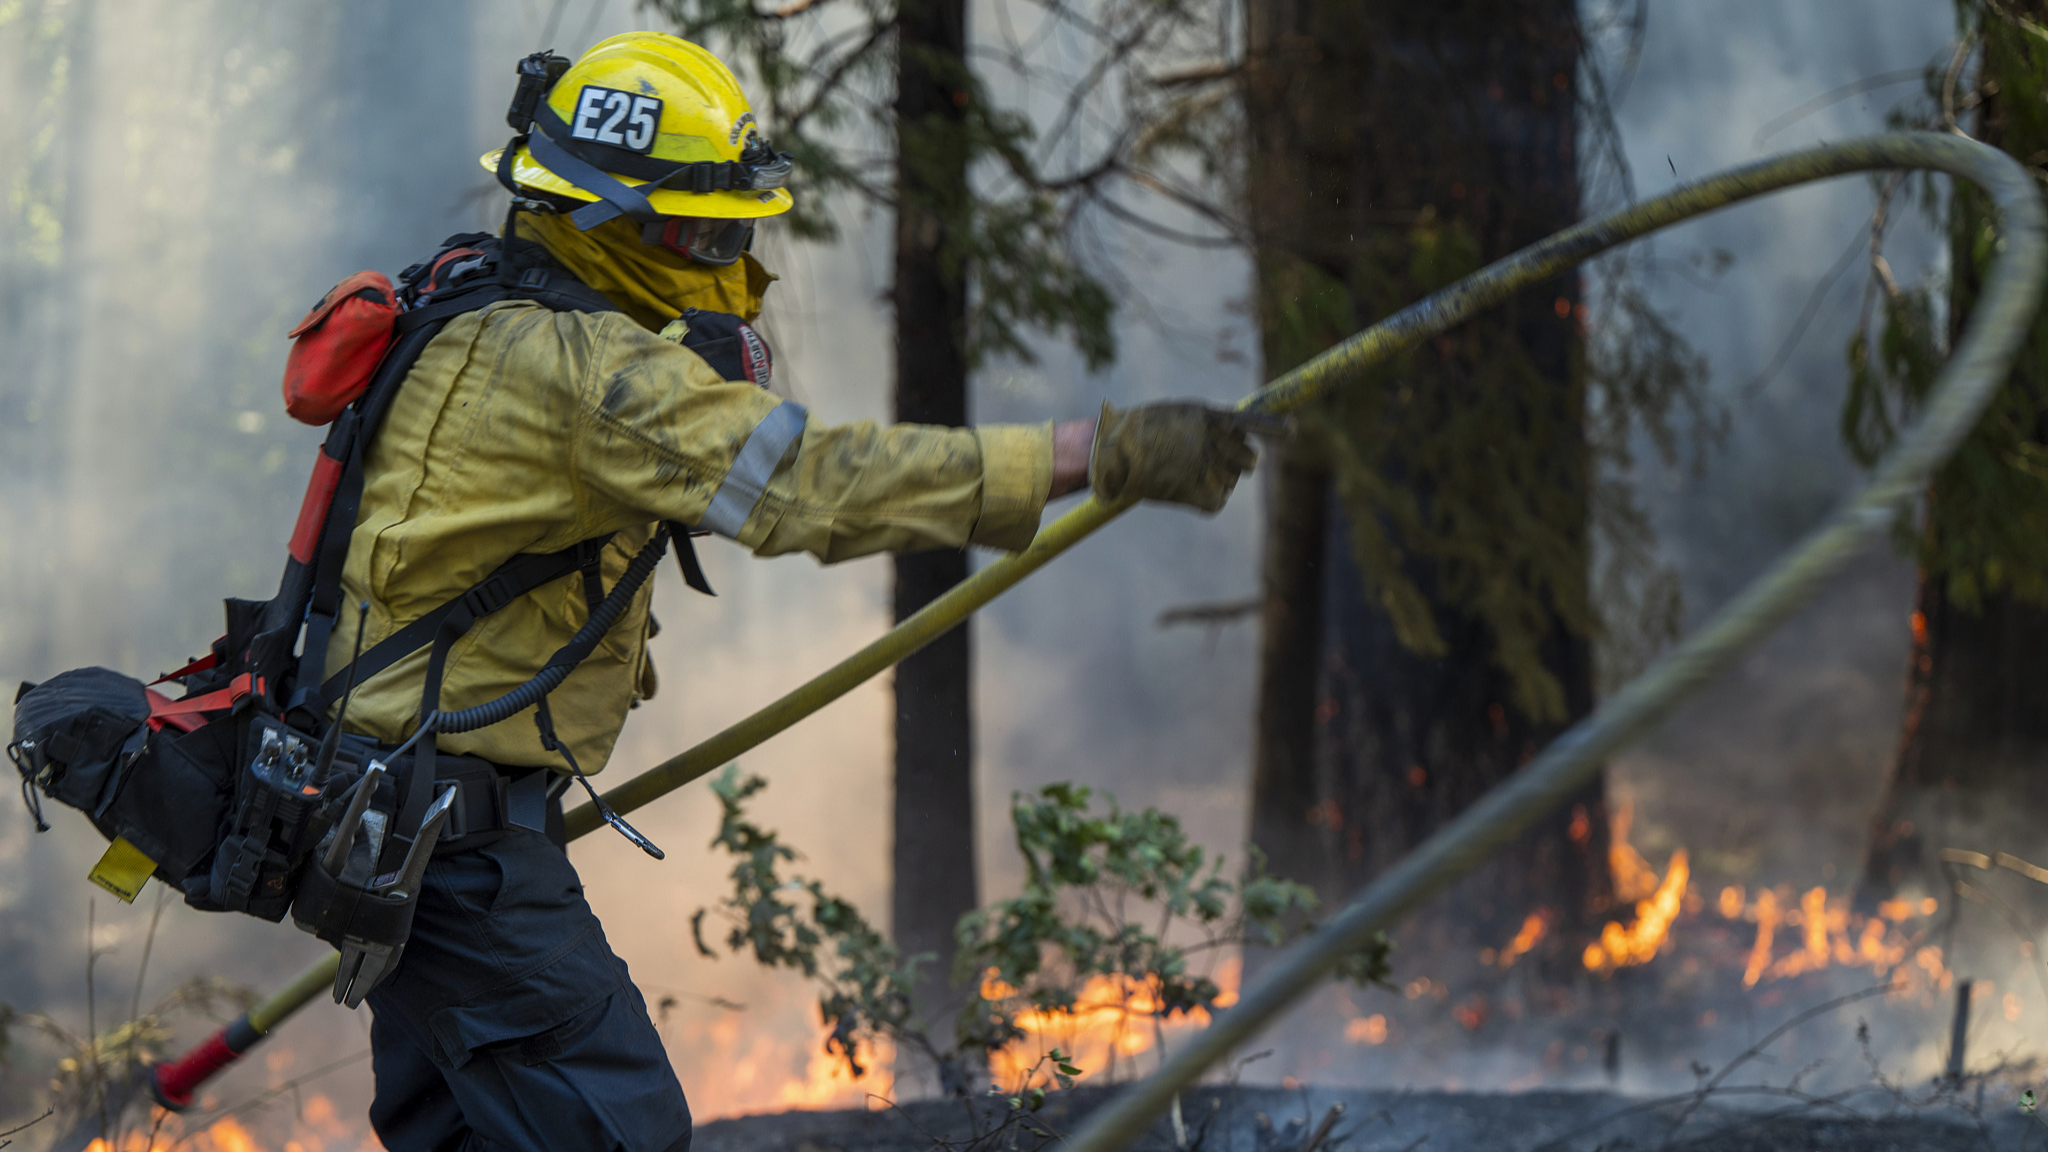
(1429, 612)
(1976, 720)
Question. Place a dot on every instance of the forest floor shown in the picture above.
(1225, 1119)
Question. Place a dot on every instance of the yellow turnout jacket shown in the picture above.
(522, 429)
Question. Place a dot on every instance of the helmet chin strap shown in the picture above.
(617, 198)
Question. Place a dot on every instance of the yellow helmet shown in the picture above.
(645, 125)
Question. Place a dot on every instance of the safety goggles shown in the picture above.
(701, 239)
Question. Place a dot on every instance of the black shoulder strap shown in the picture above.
(514, 270)
(686, 557)
(539, 279)
(511, 580)
(323, 605)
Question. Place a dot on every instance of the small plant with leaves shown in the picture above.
(1116, 909)
(794, 923)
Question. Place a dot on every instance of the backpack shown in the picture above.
(230, 790)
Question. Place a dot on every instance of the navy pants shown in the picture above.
(510, 1024)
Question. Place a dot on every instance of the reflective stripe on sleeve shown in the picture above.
(748, 478)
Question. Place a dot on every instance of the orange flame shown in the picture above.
(1638, 943)
(1730, 903)
(1767, 919)
(828, 1084)
(1114, 1020)
(1824, 931)
(1534, 928)
(1372, 1030)
(319, 1128)
(1634, 879)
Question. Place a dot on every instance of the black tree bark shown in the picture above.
(1373, 124)
(933, 857)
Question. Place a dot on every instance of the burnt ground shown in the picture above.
(1279, 1120)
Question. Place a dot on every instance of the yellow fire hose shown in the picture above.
(1997, 328)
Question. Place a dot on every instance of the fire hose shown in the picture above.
(1997, 328)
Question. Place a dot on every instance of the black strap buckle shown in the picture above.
(488, 597)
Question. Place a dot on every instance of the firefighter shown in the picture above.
(509, 1022)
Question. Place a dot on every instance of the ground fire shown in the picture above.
(1793, 934)
(1115, 1020)
(317, 1126)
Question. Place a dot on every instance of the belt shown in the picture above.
(490, 799)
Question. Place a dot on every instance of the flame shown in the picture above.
(1823, 930)
(828, 1084)
(1730, 903)
(1534, 928)
(1114, 1020)
(1830, 934)
(1634, 879)
(739, 1068)
(1767, 919)
(319, 1128)
(1638, 943)
(1372, 1030)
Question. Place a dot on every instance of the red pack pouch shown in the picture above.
(337, 347)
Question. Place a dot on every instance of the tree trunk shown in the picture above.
(933, 857)
(1373, 127)
(1976, 725)
(1284, 791)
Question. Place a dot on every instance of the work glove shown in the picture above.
(1178, 451)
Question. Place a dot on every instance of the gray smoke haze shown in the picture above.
(183, 182)
(1801, 735)
(187, 179)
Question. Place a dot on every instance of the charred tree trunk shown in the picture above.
(1379, 128)
(1975, 734)
(933, 858)
(1284, 784)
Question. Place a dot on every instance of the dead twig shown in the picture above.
(1322, 1132)
(1832, 96)
(1814, 300)
(1214, 613)
(4, 1141)
(1713, 1084)
(195, 1127)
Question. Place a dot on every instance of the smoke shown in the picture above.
(1777, 769)
(185, 180)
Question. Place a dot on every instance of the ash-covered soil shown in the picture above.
(1279, 1120)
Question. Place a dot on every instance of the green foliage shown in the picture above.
(1987, 529)
(1107, 894)
(2031, 1107)
(1460, 460)
(1075, 918)
(1027, 279)
(864, 981)
(1471, 483)
(824, 74)
(1640, 375)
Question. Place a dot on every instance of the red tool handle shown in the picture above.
(174, 1083)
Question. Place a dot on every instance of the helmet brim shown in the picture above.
(530, 173)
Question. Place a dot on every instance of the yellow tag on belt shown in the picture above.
(123, 870)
